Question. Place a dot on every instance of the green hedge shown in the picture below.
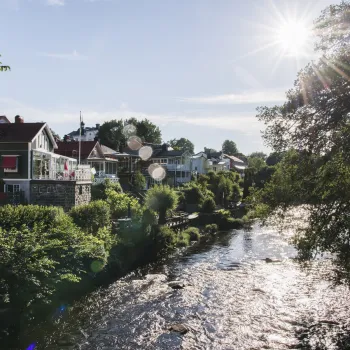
(193, 233)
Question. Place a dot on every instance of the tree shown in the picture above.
(261, 155)
(274, 158)
(113, 134)
(161, 199)
(256, 163)
(182, 145)
(313, 125)
(4, 68)
(229, 147)
(139, 181)
(209, 150)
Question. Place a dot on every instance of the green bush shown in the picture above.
(35, 260)
(166, 238)
(161, 199)
(98, 191)
(119, 203)
(211, 228)
(30, 215)
(193, 233)
(208, 205)
(139, 181)
(92, 216)
(183, 239)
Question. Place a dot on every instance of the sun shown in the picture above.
(293, 37)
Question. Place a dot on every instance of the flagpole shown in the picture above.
(80, 138)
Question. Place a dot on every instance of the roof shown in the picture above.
(3, 119)
(235, 159)
(160, 153)
(71, 149)
(108, 150)
(19, 132)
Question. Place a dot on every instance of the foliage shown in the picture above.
(229, 147)
(211, 228)
(182, 144)
(92, 216)
(261, 155)
(315, 121)
(139, 181)
(209, 150)
(274, 158)
(120, 202)
(256, 163)
(36, 259)
(98, 191)
(208, 205)
(112, 133)
(161, 199)
(4, 68)
(193, 233)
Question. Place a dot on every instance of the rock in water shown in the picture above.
(179, 328)
(269, 260)
(176, 284)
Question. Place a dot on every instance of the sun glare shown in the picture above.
(293, 37)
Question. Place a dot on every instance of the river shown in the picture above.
(233, 299)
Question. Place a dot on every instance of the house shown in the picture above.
(32, 172)
(98, 157)
(203, 162)
(176, 165)
(87, 133)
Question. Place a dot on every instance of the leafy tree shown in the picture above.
(229, 147)
(112, 133)
(314, 125)
(209, 150)
(182, 145)
(274, 158)
(4, 68)
(256, 163)
(261, 155)
(139, 181)
(120, 203)
(208, 205)
(161, 199)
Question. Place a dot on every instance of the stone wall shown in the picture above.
(66, 194)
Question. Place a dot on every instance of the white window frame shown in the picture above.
(16, 188)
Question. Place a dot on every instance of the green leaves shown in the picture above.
(4, 68)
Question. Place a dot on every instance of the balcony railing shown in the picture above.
(101, 176)
(82, 173)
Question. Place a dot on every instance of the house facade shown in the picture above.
(32, 172)
(87, 133)
(103, 165)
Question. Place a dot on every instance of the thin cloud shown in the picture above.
(55, 2)
(242, 98)
(74, 56)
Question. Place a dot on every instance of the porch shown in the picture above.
(104, 169)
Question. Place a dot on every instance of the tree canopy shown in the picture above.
(313, 126)
(4, 68)
(261, 155)
(114, 135)
(229, 147)
(182, 144)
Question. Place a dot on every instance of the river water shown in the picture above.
(233, 299)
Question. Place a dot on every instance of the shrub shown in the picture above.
(120, 202)
(166, 238)
(208, 205)
(30, 215)
(92, 216)
(193, 233)
(183, 239)
(98, 191)
(161, 199)
(139, 181)
(35, 261)
(211, 228)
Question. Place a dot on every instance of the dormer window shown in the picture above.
(9, 163)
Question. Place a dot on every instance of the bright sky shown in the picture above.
(196, 68)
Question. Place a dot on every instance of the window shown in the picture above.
(9, 164)
(195, 168)
(12, 188)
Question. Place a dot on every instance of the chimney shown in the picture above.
(18, 120)
(97, 126)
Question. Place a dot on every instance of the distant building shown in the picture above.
(31, 172)
(87, 133)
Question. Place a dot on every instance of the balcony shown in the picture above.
(51, 166)
(101, 176)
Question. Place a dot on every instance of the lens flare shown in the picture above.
(134, 143)
(157, 172)
(129, 130)
(145, 152)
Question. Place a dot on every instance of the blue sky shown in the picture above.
(196, 68)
